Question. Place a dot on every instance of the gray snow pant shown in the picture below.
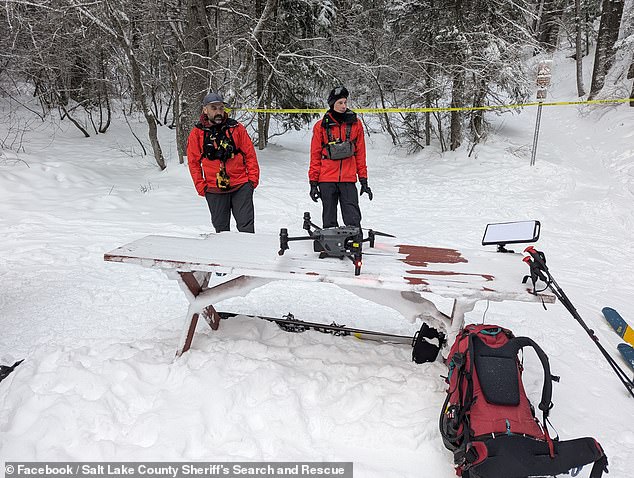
(238, 202)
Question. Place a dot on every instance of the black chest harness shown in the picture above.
(338, 149)
(218, 145)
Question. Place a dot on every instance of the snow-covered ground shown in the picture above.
(99, 381)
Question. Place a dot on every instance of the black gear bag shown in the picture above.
(423, 347)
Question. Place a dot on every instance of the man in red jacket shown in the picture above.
(223, 165)
(337, 158)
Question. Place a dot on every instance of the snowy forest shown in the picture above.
(97, 98)
(157, 58)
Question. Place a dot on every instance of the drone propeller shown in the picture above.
(372, 234)
(378, 233)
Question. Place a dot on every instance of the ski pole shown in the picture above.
(537, 263)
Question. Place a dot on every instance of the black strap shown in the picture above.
(225, 131)
(207, 142)
(467, 398)
(328, 125)
(229, 131)
(547, 390)
(599, 467)
(329, 131)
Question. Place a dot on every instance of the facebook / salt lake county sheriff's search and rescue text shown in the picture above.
(176, 470)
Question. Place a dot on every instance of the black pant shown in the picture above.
(345, 194)
(238, 202)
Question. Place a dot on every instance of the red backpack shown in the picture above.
(487, 420)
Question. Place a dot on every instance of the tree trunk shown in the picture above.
(429, 83)
(428, 87)
(457, 101)
(630, 76)
(103, 127)
(607, 37)
(73, 120)
(181, 140)
(267, 121)
(386, 117)
(538, 17)
(263, 12)
(259, 78)
(142, 99)
(153, 135)
(193, 77)
(548, 30)
(103, 92)
(441, 134)
(578, 52)
(587, 29)
(259, 86)
(477, 119)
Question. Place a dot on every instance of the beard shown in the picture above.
(219, 118)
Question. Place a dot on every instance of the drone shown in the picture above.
(339, 242)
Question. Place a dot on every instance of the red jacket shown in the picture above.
(344, 170)
(242, 167)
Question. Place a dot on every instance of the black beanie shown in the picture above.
(336, 94)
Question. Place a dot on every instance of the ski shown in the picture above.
(627, 351)
(5, 370)
(289, 323)
(618, 323)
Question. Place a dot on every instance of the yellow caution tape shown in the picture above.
(431, 110)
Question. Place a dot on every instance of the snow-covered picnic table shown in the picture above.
(414, 280)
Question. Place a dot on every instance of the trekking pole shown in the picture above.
(537, 264)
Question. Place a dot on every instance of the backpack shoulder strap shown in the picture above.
(228, 128)
(209, 145)
(547, 391)
(350, 119)
(326, 124)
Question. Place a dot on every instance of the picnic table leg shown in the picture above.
(188, 331)
(460, 308)
(202, 294)
(192, 283)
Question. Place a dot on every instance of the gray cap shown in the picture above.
(213, 98)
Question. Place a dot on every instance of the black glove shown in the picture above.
(365, 188)
(314, 191)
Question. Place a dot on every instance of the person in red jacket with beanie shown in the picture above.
(223, 165)
(337, 158)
